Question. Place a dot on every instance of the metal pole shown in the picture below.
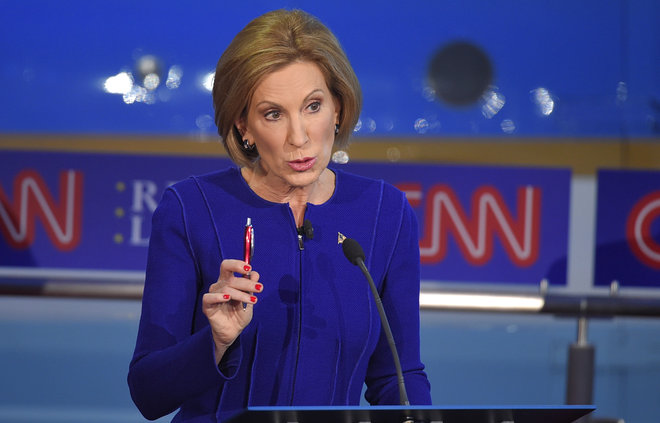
(580, 369)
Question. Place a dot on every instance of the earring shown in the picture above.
(247, 146)
(336, 128)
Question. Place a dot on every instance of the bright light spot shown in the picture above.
(508, 126)
(204, 122)
(148, 64)
(174, 76)
(544, 101)
(393, 154)
(340, 157)
(421, 126)
(149, 98)
(621, 92)
(136, 94)
(428, 93)
(151, 81)
(122, 83)
(358, 126)
(207, 81)
(370, 124)
(493, 103)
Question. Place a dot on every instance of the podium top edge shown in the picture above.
(586, 407)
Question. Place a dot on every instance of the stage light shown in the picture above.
(544, 101)
(122, 83)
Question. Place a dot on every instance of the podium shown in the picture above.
(416, 414)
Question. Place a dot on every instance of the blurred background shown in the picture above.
(560, 88)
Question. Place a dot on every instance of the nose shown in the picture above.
(297, 135)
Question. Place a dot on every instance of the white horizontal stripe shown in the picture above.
(491, 302)
(71, 274)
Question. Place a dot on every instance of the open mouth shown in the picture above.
(302, 165)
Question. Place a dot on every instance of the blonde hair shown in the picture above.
(266, 44)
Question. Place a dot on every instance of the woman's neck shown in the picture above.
(297, 197)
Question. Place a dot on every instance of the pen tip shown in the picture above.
(340, 237)
(249, 221)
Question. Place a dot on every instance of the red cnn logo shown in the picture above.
(443, 214)
(638, 230)
(32, 199)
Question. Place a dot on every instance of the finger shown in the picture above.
(250, 282)
(247, 284)
(228, 269)
(239, 284)
(253, 275)
(210, 300)
(241, 296)
(230, 266)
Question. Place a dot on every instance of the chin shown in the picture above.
(303, 179)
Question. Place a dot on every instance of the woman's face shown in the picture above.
(291, 119)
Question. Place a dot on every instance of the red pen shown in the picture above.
(248, 246)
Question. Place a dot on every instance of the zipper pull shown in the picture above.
(301, 246)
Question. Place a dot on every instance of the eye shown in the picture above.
(314, 106)
(273, 115)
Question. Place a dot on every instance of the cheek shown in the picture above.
(328, 137)
(268, 137)
(327, 129)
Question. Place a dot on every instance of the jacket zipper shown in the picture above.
(301, 248)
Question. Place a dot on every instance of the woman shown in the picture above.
(309, 333)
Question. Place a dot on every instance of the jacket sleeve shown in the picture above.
(400, 297)
(171, 364)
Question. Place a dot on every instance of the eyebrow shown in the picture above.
(272, 103)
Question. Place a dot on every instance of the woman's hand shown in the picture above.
(228, 304)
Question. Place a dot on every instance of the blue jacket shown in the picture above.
(315, 337)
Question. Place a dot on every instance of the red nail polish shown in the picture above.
(253, 299)
(257, 287)
(226, 296)
(247, 267)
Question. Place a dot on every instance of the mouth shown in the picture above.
(303, 164)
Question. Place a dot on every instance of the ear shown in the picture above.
(337, 110)
(240, 126)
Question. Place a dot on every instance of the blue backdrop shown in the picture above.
(560, 68)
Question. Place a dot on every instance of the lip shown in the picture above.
(303, 164)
